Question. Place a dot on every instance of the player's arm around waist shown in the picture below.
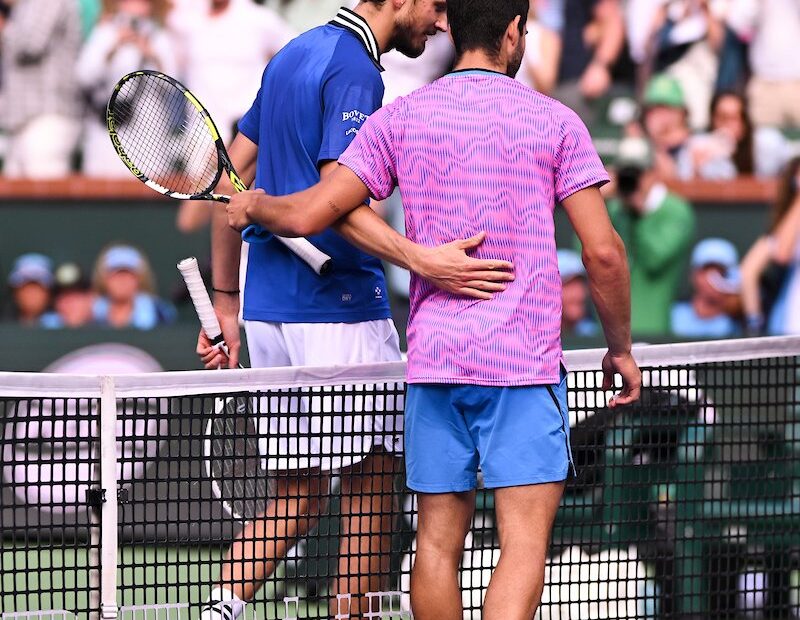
(301, 214)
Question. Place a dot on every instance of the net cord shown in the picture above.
(198, 382)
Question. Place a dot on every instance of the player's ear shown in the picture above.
(512, 35)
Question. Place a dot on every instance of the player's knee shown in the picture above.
(439, 547)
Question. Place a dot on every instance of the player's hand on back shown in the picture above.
(625, 365)
(451, 269)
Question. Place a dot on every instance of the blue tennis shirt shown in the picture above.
(314, 96)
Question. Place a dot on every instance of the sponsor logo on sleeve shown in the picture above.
(357, 118)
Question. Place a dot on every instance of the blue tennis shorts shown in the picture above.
(516, 435)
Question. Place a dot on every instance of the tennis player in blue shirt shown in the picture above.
(315, 95)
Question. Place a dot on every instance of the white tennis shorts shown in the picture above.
(333, 428)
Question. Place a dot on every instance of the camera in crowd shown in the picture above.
(634, 158)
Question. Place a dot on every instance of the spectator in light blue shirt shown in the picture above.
(124, 283)
(715, 292)
(575, 318)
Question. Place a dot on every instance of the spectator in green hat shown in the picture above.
(665, 121)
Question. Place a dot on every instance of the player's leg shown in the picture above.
(442, 467)
(444, 520)
(522, 434)
(243, 572)
(264, 541)
(369, 514)
(369, 461)
(525, 517)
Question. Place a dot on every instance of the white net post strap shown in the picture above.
(343, 602)
(108, 514)
(393, 600)
(291, 607)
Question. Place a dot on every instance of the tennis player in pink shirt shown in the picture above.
(478, 151)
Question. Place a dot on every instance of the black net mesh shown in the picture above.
(49, 506)
(686, 505)
(164, 135)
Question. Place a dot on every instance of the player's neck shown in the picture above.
(477, 59)
(380, 22)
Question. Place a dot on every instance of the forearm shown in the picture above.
(226, 246)
(545, 74)
(609, 283)
(716, 30)
(786, 235)
(285, 215)
(367, 231)
(612, 38)
(311, 211)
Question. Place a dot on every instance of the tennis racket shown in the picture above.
(233, 462)
(168, 140)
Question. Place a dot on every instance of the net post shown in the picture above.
(109, 516)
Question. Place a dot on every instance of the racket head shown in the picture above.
(166, 137)
(233, 462)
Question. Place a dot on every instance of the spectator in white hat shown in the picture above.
(73, 298)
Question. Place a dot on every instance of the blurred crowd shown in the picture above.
(119, 294)
(689, 89)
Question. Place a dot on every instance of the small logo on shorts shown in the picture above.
(378, 292)
(347, 297)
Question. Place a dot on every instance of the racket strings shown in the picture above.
(235, 460)
(165, 136)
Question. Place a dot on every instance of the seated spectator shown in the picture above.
(234, 38)
(594, 37)
(772, 28)
(575, 318)
(715, 283)
(771, 268)
(539, 68)
(733, 147)
(303, 15)
(130, 36)
(665, 124)
(657, 228)
(31, 284)
(680, 38)
(123, 281)
(42, 109)
(73, 299)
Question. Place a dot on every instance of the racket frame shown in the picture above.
(305, 250)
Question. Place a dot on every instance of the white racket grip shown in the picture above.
(316, 258)
(202, 302)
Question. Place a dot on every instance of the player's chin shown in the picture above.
(413, 49)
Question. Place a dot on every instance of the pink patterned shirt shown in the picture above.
(477, 151)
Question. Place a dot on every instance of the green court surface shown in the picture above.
(172, 578)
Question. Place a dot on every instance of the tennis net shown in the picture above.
(120, 496)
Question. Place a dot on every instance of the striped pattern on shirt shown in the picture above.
(479, 151)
